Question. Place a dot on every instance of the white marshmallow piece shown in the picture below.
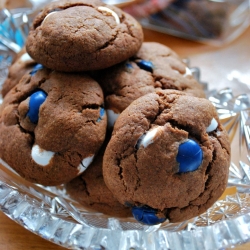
(51, 13)
(213, 125)
(112, 117)
(26, 58)
(117, 19)
(188, 72)
(85, 163)
(40, 156)
(149, 137)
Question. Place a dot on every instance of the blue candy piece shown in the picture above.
(146, 65)
(189, 156)
(36, 100)
(36, 68)
(102, 113)
(146, 215)
(129, 65)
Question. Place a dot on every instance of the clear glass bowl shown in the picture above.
(50, 213)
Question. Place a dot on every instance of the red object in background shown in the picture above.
(146, 8)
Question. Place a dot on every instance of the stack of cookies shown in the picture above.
(121, 122)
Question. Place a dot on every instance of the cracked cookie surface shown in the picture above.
(153, 67)
(82, 35)
(89, 189)
(52, 124)
(140, 163)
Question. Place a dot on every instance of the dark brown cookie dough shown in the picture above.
(89, 189)
(82, 35)
(22, 65)
(140, 164)
(153, 67)
(69, 130)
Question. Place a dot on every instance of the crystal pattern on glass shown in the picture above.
(50, 213)
(234, 113)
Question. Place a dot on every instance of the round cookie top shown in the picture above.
(89, 189)
(22, 65)
(168, 156)
(154, 67)
(52, 124)
(82, 35)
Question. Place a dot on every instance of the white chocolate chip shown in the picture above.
(112, 117)
(188, 72)
(85, 163)
(48, 16)
(148, 138)
(213, 125)
(41, 156)
(26, 58)
(117, 19)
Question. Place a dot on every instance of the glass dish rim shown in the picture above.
(221, 234)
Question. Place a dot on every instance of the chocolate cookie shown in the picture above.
(153, 67)
(168, 157)
(52, 124)
(22, 65)
(89, 189)
(82, 35)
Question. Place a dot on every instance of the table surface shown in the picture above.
(13, 236)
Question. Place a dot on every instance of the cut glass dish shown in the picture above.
(50, 213)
